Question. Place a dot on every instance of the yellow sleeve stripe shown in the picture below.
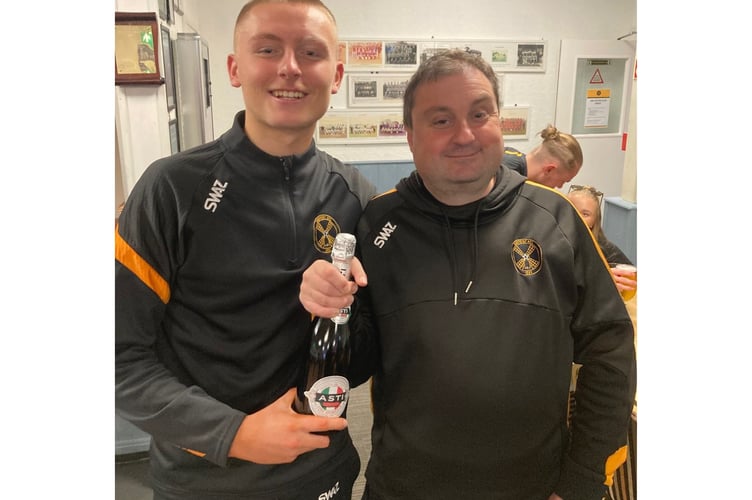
(614, 462)
(128, 257)
(194, 452)
(388, 191)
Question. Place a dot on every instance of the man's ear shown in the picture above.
(232, 70)
(338, 76)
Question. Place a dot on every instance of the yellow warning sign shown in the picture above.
(595, 93)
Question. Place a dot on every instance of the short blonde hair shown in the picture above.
(560, 146)
(253, 3)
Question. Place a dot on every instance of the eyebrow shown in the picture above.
(265, 37)
(486, 99)
(275, 37)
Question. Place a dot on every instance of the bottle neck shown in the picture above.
(343, 316)
(343, 266)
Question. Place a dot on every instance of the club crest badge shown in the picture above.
(527, 256)
(325, 229)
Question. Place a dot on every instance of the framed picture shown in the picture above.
(503, 56)
(360, 127)
(531, 56)
(377, 90)
(169, 73)
(401, 54)
(365, 54)
(514, 122)
(397, 55)
(174, 136)
(136, 60)
(165, 11)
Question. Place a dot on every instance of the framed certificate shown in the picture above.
(137, 48)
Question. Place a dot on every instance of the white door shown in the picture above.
(592, 103)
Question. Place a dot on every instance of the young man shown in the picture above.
(554, 162)
(210, 249)
(482, 291)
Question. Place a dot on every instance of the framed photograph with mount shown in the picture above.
(514, 122)
(377, 89)
(136, 48)
(361, 127)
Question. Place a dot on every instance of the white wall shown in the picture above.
(141, 116)
(551, 20)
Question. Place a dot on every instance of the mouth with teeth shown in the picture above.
(288, 94)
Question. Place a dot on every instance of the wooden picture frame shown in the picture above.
(137, 48)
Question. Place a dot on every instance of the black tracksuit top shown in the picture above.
(476, 314)
(210, 251)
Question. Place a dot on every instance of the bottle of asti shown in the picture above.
(323, 388)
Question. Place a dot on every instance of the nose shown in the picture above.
(463, 134)
(288, 66)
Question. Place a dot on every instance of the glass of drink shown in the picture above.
(630, 272)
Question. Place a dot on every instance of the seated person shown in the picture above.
(587, 201)
(553, 163)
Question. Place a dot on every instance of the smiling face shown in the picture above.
(456, 137)
(285, 62)
(587, 205)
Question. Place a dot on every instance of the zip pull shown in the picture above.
(286, 164)
(455, 298)
(468, 286)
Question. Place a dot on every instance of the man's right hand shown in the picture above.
(324, 291)
(278, 435)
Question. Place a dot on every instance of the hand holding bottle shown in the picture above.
(277, 434)
(324, 291)
(323, 387)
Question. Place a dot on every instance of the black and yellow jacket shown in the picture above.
(210, 250)
(480, 312)
(515, 159)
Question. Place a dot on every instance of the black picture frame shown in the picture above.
(166, 11)
(169, 71)
(174, 136)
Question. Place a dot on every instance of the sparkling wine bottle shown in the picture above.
(323, 388)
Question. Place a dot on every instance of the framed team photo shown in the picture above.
(514, 122)
(377, 90)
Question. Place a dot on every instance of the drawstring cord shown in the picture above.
(475, 249)
(452, 253)
(451, 250)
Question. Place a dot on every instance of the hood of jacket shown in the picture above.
(506, 187)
